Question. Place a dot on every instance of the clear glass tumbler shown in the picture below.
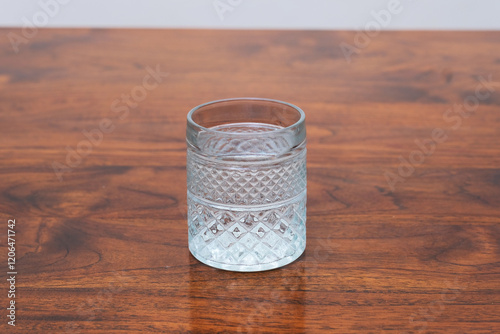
(246, 183)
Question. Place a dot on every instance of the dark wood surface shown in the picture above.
(104, 250)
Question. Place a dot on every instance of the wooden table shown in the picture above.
(101, 240)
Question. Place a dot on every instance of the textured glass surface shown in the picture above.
(246, 196)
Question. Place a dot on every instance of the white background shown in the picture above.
(252, 14)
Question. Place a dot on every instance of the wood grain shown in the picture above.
(105, 249)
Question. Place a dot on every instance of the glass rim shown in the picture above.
(195, 125)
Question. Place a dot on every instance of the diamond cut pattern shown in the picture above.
(246, 214)
(257, 185)
(250, 238)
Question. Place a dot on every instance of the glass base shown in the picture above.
(250, 268)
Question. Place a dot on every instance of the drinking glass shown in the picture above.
(246, 183)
